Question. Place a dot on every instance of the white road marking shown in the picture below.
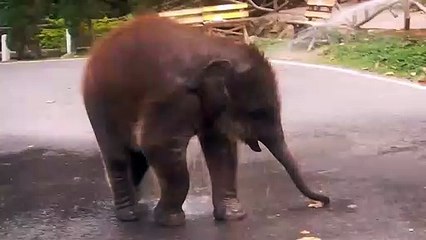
(365, 76)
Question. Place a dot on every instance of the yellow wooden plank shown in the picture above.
(192, 11)
(315, 14)
(189, 20)
(325, 3)
(182, 12)
(225, 7)
(222, 16)
(227, 23)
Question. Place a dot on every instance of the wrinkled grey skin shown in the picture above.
(178, 83)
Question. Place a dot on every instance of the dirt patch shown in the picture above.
(281, 49)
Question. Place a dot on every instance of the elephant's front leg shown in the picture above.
(221, 156)
(169, 163)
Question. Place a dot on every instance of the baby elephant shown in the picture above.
(152, 84)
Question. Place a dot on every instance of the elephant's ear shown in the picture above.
(210, 86)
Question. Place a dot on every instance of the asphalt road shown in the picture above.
(360, 140)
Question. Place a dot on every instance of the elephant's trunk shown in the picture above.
(277, 146)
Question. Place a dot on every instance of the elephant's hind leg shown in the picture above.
(113, 138)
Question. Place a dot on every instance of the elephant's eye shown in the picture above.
(258, 114)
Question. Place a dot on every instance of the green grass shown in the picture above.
(391, 55)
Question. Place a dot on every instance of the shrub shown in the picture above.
(104, 25)
(53, 37)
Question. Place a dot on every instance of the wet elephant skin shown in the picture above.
(147, 93)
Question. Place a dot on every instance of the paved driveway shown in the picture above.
(358, 139)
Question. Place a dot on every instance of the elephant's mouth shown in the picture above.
(253, 144)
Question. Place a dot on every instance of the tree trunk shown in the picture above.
(91, 31)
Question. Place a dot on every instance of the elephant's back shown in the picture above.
(149, 57)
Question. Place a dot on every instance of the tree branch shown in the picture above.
(419, 5)
(282, 5)
(259, 7)
(375, 14)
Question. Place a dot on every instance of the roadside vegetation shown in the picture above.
(387, 53)
(35, 28)
(393, 55)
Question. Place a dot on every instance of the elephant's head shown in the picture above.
(241, 98)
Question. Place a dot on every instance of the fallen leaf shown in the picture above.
(273, 216)
(309, 238)
(316, 204)
(377, 64)
(352, 206)
(305, 232)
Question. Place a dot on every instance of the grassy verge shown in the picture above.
(270, 45)
(280, 49)
(390, 55)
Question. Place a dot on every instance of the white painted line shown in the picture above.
(362, 75)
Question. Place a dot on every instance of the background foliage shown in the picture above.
(403, 56)
(36, 24)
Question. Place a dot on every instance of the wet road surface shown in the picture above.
(361, 141)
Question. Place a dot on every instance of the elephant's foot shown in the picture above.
(126, 214)
(229, 210)
(168, 218)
